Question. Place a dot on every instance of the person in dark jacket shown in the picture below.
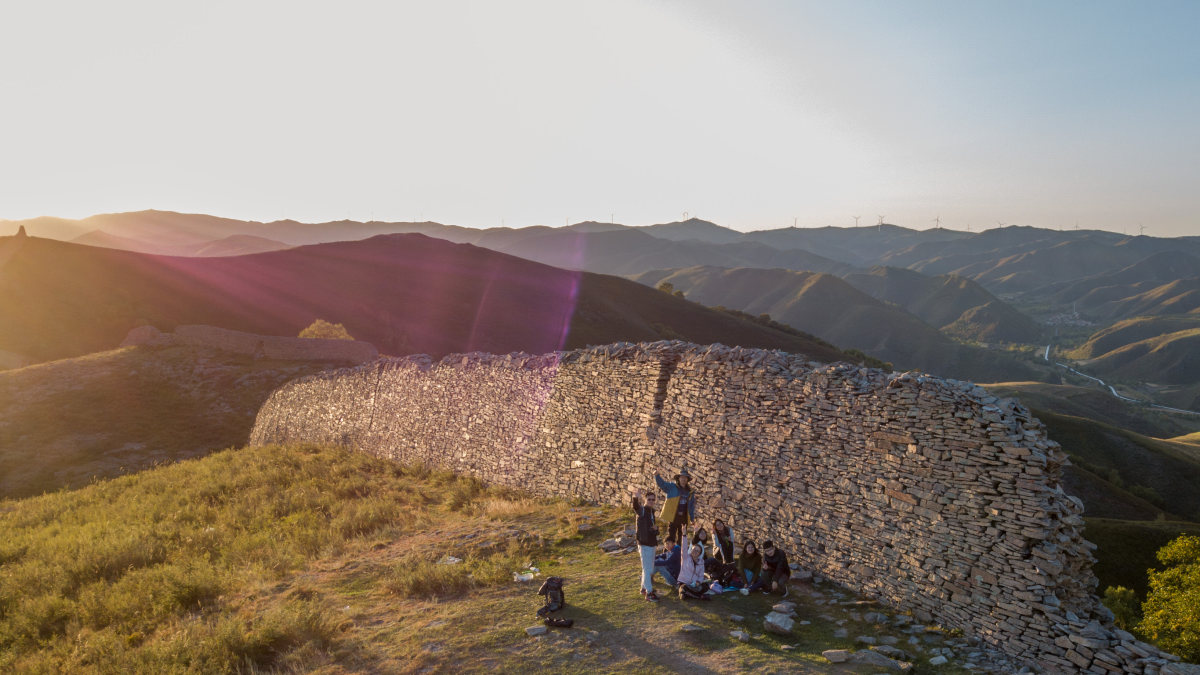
(666, 564)
(647, 539)
(775, 569)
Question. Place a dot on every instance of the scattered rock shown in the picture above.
(868, 657)
(536, 630)
(740, 635)
(836, 655)
(788, 608)
(778, 623)
(888, 640)
(865, 640)
(938, 661)
(841, 633)
(737, 617)
(449, 560)
(891, 652)
(609, 545)
(690, 628)
(787, 648)
(584, 527)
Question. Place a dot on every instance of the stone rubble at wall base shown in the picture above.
(926, 494)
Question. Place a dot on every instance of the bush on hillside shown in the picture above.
(1123, 603)
(1171, 613)
(322, 329)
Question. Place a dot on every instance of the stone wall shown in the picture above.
(262, 346)
(928, 494)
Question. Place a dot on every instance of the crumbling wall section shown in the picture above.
(928, 494)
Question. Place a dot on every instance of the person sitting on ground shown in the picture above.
(775, 569)
(680, 507)
(647, 539)
(700, 538)
(692, 584)
(724, 545)
(666, 564)
(749, 565)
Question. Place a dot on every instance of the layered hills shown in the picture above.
(404, 293)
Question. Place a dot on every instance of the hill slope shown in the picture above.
(403, 293)
(1173, 358)
(68, 422)
(307, 559)
(830, 308)
(957, 305)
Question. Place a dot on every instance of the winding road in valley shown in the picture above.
(1112, 390)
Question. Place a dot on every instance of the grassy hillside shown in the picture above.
(1129, 331)
(307, 559)
(834, 310)
(102, 415)
(1173, 358)
(957, 305)
(1097, 404)
(403, 293)
(1162, 472)
(1126, 549)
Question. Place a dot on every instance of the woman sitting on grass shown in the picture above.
(692, 584)
(749, 564)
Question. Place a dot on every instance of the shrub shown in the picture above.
(326, 331)
(1123, 603)
(1171, 613)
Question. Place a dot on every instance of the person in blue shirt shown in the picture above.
(666, 564)
(680, 507)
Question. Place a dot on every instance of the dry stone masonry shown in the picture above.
(928, 494)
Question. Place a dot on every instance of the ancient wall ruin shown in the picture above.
(929, 494)
(261, 346)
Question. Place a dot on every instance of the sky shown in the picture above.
(752, 114)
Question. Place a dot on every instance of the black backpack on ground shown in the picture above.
(555, 600)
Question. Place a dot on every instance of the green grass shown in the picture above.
(1126, 549)
(310, 559)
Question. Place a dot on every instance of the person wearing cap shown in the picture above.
(647, 539)
(680, 507)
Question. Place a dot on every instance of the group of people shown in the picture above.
(711, 564)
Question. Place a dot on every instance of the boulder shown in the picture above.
(836, 655)
(536, 630)
(868, 657)
(690, 628)
(938, 661)
(778, 623)
(741, 635)
(788, 608)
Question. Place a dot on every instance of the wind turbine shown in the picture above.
(1000, 223)
(1141, 230)
(856, 220)
(938, 223)
(879, 225)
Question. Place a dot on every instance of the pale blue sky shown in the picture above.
(750, 114)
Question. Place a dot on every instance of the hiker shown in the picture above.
(647, 539)
(749, 565)
(775, 569)
(680, 507)
(724, 544)
(666, 564)
(692, 584)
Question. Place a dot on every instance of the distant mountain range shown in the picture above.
(909, 296)
(404, 293)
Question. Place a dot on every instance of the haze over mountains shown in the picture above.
(908, 296)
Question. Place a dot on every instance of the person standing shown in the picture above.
(647, 539)
(680, 507)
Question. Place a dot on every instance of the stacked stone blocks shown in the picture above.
(929, 494)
